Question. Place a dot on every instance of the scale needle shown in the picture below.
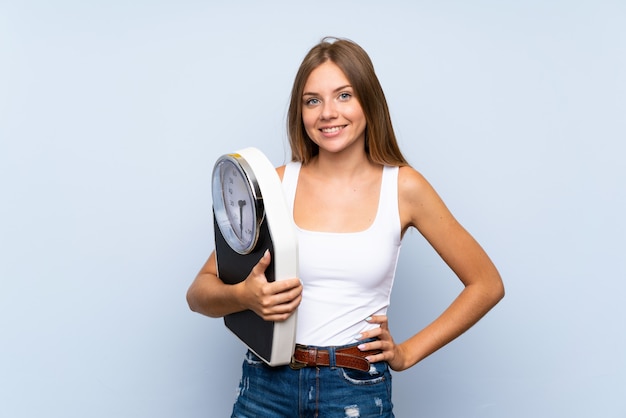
(241, 203)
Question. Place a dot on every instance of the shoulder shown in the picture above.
(411, 183)
(418, 201)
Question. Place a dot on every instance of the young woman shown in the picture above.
(353, 196)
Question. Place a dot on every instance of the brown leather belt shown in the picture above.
(349, 357)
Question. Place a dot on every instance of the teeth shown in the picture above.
(332, 130)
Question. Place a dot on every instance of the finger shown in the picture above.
(377, 319)
(290, 304)
(376, 345)
(375, 358)
(382, 320)
(287, 285)
(283, 311)
(371, 333)
(283, 291)
(286, 296)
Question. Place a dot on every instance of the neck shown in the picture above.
(341, 165)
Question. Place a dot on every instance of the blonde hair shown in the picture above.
(381, 145)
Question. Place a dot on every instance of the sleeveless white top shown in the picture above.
(346, 277)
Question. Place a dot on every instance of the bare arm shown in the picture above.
(422, 208)
(272, 301)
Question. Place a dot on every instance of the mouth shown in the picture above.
(332, 129)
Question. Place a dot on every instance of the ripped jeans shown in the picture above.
(334, 392)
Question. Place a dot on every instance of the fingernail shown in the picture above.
(361, 346)
(358, 337)
(369, 318)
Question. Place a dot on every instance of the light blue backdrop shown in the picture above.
(112, 114)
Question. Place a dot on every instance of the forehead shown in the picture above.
(326, 76)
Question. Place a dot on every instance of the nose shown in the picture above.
(329, 110)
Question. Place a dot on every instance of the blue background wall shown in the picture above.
(112, 114)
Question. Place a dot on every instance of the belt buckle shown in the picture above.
(296, 365)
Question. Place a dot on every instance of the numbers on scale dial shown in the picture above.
(240, 212)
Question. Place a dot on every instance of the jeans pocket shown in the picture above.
(376, 374)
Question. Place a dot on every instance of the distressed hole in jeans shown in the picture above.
(379, 404)
(352, 411)
(252, 359)
(244, 385)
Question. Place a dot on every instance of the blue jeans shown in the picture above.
(333, 392)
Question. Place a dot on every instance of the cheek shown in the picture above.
(309, 120)
(356, 114)
(308, 117)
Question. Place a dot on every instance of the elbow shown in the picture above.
(489, 296)
(497, 291)
(499, 295)
(490, 290)
(192, 300)
(199, 304)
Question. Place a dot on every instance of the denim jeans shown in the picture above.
(324, 391)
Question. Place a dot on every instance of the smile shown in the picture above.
(333, 129)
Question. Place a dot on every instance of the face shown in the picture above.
(332, 116)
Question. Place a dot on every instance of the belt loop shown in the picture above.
(332, 360)
(312, 352)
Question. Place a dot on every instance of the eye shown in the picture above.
(344, 96)
(311, 102)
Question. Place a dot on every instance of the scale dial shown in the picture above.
(237, 202)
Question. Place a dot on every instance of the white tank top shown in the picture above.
(346, 276)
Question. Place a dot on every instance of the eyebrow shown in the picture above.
(338, 89)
